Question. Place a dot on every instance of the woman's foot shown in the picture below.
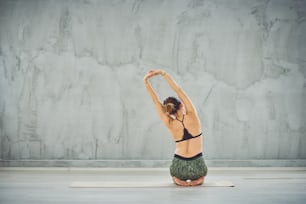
(196, 182)
(180, 182)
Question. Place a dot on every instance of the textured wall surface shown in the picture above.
(71, 77)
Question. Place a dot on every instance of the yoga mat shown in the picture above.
(137, 184)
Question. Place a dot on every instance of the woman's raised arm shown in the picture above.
(157, 104)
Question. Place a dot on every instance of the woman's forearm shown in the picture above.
(171, 82)
(151, 91)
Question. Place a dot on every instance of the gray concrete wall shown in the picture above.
(71, 77)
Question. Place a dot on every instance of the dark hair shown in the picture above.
(171, 105)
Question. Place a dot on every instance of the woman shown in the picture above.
(180, 117)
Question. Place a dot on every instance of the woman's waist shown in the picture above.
(188, 158)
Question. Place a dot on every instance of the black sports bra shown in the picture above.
(186, 135)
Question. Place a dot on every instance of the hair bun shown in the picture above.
(170, 108)
(171, 105)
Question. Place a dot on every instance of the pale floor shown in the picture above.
(252, 185)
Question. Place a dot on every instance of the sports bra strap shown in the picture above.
(182, 121)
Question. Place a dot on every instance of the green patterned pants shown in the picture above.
(186, 168)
